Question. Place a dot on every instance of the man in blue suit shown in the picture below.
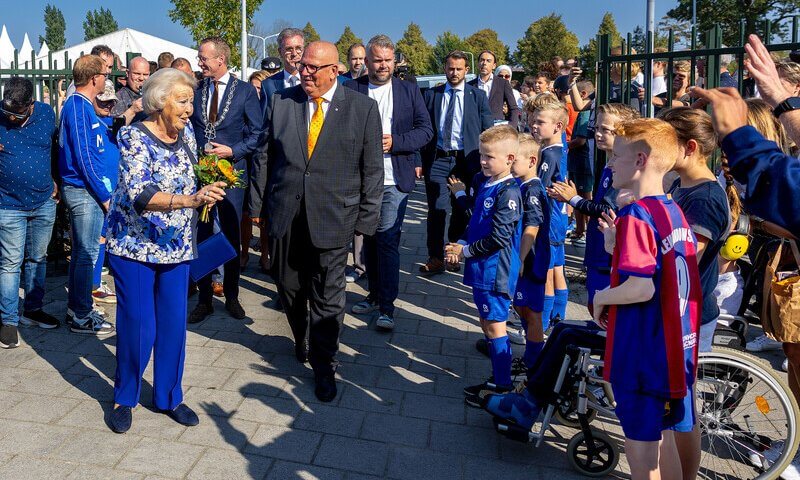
(291, 43)
(228, 122)
(406, 129)
(459, 113)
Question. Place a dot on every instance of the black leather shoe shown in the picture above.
(235, 308)
(325, 388)
(301, 351)
(121, 419)
(183, 415)
(200, 312)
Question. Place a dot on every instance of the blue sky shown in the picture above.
(365, 17)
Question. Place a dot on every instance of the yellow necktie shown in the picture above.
(316, 126)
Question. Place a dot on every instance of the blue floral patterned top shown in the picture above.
(148, 166)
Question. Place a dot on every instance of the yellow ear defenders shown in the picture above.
(738, 242)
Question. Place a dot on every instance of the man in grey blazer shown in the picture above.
(324, 183)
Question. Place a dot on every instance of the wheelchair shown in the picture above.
(747, 416)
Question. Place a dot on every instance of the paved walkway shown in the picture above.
(399, 413)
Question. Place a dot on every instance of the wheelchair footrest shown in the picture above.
(511, 430)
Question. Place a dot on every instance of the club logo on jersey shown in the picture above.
(545, 167)
(485, 308)
(534, 201)
(519, 295)
(605, 182)
(488, 203)
(512, 205)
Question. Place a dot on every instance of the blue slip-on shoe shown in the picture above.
(183, 415)
(120, 421)
(518, 408)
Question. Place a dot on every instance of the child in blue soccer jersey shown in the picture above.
(547, 124)
(534, 250)
(652, 310)
(596, 260)
(491, 249)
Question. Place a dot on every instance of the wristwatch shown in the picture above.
(791, 103)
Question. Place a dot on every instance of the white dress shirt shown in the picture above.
(223, 83)
(486, 86)
(458, 114)
(326, 104)
(290, 80)
(385, 98)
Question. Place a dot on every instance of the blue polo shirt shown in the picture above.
(26, 182)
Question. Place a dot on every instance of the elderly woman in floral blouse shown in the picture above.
(150, 243)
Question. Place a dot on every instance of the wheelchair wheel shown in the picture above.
(567, 413)
(747, 416)
(593, 459)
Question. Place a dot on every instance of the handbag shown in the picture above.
(211, 253)
(781, 302)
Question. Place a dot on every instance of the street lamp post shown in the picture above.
(263, 42)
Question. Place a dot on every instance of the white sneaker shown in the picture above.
(762, 344)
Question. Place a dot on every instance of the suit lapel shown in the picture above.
(300, 110)
(396, 107)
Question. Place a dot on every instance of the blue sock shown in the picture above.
(532, 350)
(547, 310)
(560, 304)
(500, 353)
(98, 266)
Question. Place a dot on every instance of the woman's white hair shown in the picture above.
(160, 86)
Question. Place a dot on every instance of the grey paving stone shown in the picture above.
(407, 463)
(16, 356)
(225, 465)
(219, 432)
(241, 359)
(94, 365)
(205, 376)
(382, 356)
(92, 387)
(25, 438)
(434, 408)
(251, 382)
(83, 472)
(326, 419)
(287, 470)
(212, 401)
(439, 364)
(417, 343)
(203, 355)
(352, 454)
(161, 457)
(268, 410)
(371, 399)
(463, 439)
(42, 382)
(364, 375)
(51, 361)
(29, 467)
(284, 443)
(399, 378)
(394, 429)
(96, 448)
(39, 409)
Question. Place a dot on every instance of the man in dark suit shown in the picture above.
(228, 122)
(291, 42)
(356, 56)
(459, 113)
(497, 89)
(324, 183)
(406, 129)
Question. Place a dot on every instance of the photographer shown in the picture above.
(402, 70)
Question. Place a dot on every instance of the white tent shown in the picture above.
(43, 51)
(6, 49)
(25, 51)
(124, 41)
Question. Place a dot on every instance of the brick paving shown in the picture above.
(399, 413)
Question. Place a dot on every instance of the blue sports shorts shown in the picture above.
(491, 305)
(556, 256)
(529, 294)
(643, 417)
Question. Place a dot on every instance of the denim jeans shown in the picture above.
(86, 220)
(24, 236)
(383, 250)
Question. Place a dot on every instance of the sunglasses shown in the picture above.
(18, 116)
(106, 103)
(505, 76)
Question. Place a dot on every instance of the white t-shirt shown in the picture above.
(659, 85)
(383, 95)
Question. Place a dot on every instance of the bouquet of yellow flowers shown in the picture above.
(211, 169)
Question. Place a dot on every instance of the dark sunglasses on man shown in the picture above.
(14, 115)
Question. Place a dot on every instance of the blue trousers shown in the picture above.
(24, 235)
(151, 316)
(383, 250)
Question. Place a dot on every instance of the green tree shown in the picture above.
(416, 49)
(486, 39)
(221, 18)
(544, 39)
(728, 13)
(54, 28)
(311, 33)
(98, 23)
(343, 44)
(445, 43)
(588, 55)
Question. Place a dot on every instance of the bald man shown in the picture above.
(324, 184)
(129, 97)
(183, 65)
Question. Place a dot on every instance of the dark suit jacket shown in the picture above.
(501, 92)
(341, 185)
(477, 118)
(269, 86)
(411, 128)
(242, 129)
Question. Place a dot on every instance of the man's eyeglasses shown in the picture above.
(17, 116)
(312, 69)
(205, 59)
(293, 49)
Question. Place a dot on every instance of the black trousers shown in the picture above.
(311, 286)
(229, 223)
(438, 196)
